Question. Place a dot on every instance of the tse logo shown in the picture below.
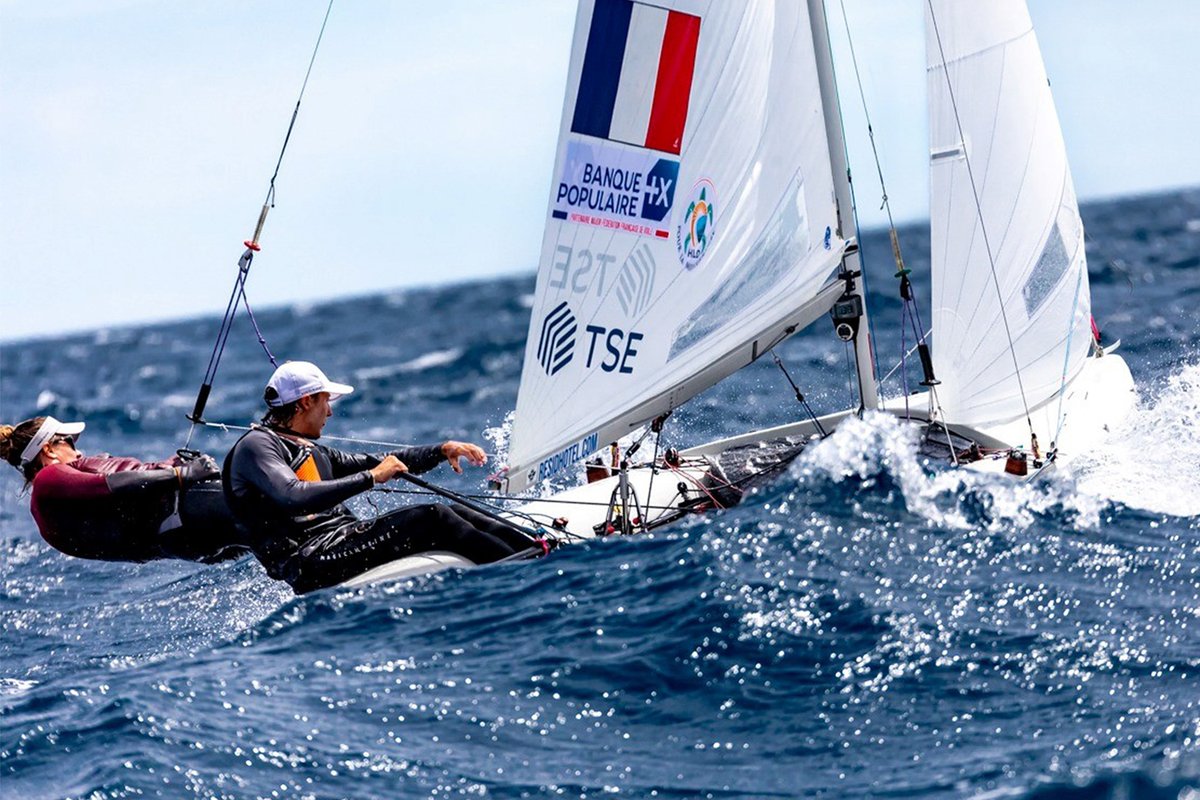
(616, 357)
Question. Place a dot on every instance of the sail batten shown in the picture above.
(692, 220)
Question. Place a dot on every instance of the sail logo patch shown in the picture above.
(635, 283)
(636, 80)
(696, 229)
(610, 349)
(595, 273)
(556, 345)
(615, 187)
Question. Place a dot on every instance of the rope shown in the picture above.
(214, 359)
(870, 130)
(261, 339)
(239, 284)
(699, 484)
(911, 312)
(492, 499)
(979, 211)
(463, 500)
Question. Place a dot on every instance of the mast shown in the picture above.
(851, 261)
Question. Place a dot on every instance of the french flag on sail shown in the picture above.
(637, 75)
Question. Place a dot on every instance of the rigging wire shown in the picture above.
(845, 273)
(850, 373)
(1067, 356)
(900, 363)
(911, 312)
(247, 258)
(229, 426)
(799, 395)
(982, 227)
(295, 112)
(870, 132)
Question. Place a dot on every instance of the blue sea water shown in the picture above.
(863, 626)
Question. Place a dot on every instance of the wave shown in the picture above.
(431, 360)
(1150, 463)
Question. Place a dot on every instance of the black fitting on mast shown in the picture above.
(906, 294)
(846, 313)
(927, 365)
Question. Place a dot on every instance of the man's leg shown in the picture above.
(515, 538)
(404, 532)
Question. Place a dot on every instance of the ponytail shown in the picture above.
(14, 440)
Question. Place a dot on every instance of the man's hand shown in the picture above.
(473, 453)
(387, 469)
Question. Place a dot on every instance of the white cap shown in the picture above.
(297, 379)
(48, 430)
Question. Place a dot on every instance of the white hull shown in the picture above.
(586, 507)
(1095, 402)
(410, 567)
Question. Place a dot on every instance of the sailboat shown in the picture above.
(701, 213)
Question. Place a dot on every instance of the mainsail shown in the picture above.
(692, 220)
(1011, 304)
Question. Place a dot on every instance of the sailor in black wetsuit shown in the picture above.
(289, 491)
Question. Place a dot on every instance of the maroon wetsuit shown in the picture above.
(113, 509)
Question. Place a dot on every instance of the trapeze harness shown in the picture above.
(120, 509)
(289, 493)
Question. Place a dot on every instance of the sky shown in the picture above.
(138, 138)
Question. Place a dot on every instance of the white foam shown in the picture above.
(177, 400)
(1153, 461)
(881, 443)
(437, 358)
(499, 436)
(45, 399)
(862, 448)
(15, 687)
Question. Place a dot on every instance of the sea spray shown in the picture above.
(1152, 461)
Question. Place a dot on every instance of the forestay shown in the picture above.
(691, 221)
(995, 139)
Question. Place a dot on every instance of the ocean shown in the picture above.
(866, 625)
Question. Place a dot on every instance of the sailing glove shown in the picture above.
(199, 469)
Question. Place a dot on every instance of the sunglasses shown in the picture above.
(70, 440)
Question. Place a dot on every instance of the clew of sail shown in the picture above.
(1007, 241)
(691, 223)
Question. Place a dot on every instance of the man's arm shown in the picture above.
(418, 459)
(262, 462)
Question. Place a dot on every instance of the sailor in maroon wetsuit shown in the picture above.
(289, 492)
(119, 509)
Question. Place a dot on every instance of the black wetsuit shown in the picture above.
(121, 509)
(290, 492)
